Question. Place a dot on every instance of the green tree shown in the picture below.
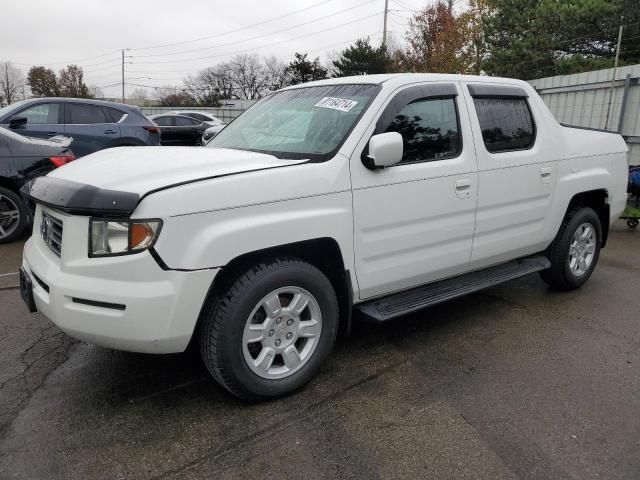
(71, 83)
(302, 70)
(537, 38)
(438, 40)
(362, 58)
(43, 82)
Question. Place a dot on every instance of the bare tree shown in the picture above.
(275, 73)
(95, 91)
(172, 97)
(203, 87)
(139, 96)
(11, 82)
(248, 75)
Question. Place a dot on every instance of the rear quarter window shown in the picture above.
(112, 115)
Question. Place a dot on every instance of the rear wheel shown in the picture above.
(13, 216)
(575, 251)
(269, 332)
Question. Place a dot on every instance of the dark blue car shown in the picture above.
(93, 124)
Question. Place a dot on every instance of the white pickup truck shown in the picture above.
(382, 194)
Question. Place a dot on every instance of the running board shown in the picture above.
(395, 305)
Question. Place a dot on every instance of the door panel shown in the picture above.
(413, 222)
(91, 128)
(516, 186)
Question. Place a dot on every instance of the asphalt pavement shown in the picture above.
(516, 382)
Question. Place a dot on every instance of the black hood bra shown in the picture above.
(79, 198)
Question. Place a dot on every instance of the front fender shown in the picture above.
(213, 239)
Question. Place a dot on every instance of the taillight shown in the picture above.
(62, 160)
(153, 129)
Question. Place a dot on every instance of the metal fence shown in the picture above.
(224, 114)
(583, 99)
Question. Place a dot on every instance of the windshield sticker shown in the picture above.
(342, 104)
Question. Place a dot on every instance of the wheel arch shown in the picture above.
(598, 200)
(9, 184)
(126, 142)
(324, 253)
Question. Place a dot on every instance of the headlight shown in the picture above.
(122, 237)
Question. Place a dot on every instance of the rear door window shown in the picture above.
(79, 114)
(163, 121)
(186, 122)
(41, 114)
(506, 123)
(199, 116)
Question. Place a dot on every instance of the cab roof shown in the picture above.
(406, 78)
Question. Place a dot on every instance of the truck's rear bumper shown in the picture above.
(145, 309)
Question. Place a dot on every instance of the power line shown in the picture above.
(257, 36)
(235, 30)
(261, 46)
(182, 79)
(70, 61)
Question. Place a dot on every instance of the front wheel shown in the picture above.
(13, 216)
(575, 251)
(269, 332)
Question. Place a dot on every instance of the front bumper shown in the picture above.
(126, 303)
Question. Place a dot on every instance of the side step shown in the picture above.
(395, 305)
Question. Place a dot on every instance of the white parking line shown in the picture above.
(8, 274)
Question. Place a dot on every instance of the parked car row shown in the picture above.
(180, 127)
(45, 133)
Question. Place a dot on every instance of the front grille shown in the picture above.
(51, 232)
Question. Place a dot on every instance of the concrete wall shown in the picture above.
(583, 99)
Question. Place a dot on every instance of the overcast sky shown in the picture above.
(91, 33)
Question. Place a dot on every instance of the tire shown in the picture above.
(229, 317)
(11, 205)
(566, 273)
(632, 222)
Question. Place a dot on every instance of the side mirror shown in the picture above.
(17, 122)
(385, 150)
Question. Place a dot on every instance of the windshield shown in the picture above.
(11, 108)
(302, 123)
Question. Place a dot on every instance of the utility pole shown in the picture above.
(123, 100)
(613, 78)
(384, 29)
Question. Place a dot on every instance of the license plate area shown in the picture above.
(26, 291)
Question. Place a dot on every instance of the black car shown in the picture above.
(93, 124)
(179, 130)
(22, 159)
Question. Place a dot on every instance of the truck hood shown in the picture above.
(113, 181)
(142, 169)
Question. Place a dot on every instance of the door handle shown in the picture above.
(545, 174)
(463, 187)
(110, 132)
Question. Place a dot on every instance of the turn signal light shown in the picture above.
(62, 160)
